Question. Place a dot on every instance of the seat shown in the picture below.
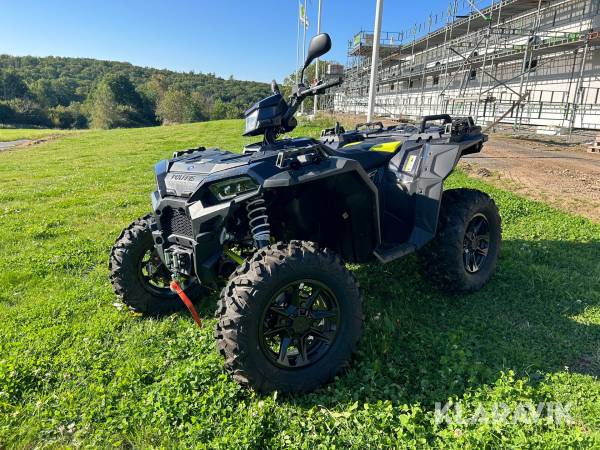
(370, 153)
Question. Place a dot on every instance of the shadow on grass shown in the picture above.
(421, 345)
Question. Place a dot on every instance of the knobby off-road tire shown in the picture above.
(450, 259)
(256, 301)
(128, 279)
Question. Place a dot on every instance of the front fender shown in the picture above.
(341, 181)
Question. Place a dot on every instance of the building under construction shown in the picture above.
(521, 62)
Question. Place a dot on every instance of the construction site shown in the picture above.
(527, 71)
(530, 64)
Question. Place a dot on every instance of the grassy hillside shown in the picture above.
(74, 78)
(76, 371)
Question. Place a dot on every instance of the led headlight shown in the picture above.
(252, 121)
(228, 189)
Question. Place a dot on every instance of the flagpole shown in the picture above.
(304, 47)
(316, 100)
(374, 58)
(298, 45)
(305, 27)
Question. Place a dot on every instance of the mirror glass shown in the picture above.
(319, 45)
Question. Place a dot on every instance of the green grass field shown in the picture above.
(77, 372)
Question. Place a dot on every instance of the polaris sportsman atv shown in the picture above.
(279, 221)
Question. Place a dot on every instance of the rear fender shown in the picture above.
(435, 163)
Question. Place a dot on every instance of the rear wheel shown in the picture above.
(138, 276)
(464, 254)
(289, 318)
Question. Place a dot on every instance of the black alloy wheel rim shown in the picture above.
(476, 244)
(153, 274)
(300, 324)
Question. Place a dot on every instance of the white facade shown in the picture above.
(481, 68)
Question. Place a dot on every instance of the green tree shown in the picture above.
(65, 91)
(43, 92)
(71, 116)
(201, 106)
(7, 114)
(12, 86)
(104, 110)
(28, 112)
(155, 88)
(224, 110)
(175, 106)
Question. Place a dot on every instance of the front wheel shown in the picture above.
(289, 318)
(137, 274)
(464, 254)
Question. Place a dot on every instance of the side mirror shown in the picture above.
(275, 87)
(319, 45)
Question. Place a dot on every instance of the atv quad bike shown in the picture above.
(279, 221)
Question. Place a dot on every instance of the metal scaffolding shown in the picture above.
(522, 62)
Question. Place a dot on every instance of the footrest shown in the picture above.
(386, 253)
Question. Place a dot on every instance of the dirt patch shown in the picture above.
(483, 172)
(565, 176)
(12, 144)
(20, 143)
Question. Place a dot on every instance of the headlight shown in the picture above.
(228, 189)
(251, 121)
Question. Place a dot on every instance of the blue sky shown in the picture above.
(251, 40)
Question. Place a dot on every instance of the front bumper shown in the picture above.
(187, 237)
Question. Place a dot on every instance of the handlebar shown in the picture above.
(299, 95)
(319, 88)
(331, 84)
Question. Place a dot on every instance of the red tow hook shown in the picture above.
(187, 302)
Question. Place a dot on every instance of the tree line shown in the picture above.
(81, 93)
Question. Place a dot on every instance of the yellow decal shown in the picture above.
(233, 256)
(390, 147)
(352, 143)
(410, 163)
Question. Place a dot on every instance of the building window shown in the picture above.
(534, 63)
(392, 87)
(436, 80)
(410, 83)
(473, 74)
